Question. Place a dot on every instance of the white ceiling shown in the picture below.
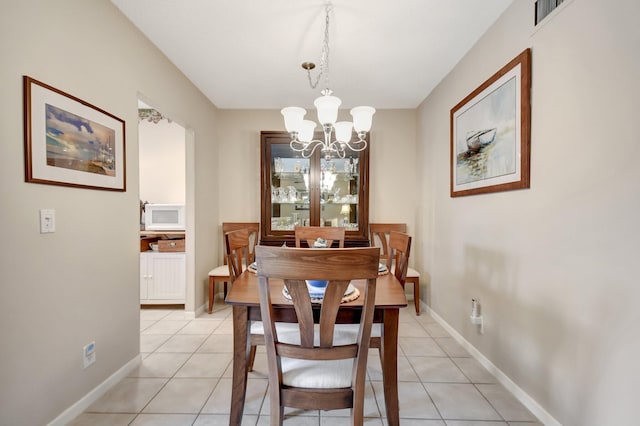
(247, 53)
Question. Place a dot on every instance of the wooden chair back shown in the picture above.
(254, 232)
(379, 237)
(400, 248)
(310, 234)
(316, 343)
(237, 245)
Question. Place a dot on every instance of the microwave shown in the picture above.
(164, 217)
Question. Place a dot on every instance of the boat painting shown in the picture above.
(480, 138)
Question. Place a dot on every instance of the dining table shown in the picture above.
(245, 301)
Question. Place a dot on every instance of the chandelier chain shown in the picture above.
(324, 56)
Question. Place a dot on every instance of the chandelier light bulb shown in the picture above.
(307, 127)
(293, 117)
(362, 118)
(343, 131)
(327, 107)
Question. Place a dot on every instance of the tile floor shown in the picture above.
(185, 379)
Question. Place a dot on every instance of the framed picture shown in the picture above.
(490, 133)
(70, 142)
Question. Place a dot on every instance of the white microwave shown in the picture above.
(164, 217)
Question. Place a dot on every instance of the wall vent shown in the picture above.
(544, 8)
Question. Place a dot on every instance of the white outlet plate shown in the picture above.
(89, 354)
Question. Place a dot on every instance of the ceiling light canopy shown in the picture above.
(327, 106)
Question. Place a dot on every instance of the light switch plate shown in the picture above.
(47, 221)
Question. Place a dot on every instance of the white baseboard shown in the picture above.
(79, 407)
(526, 400)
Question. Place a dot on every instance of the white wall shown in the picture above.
(63, 290)
(553, 265)
(162, 162)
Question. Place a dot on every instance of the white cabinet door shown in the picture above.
(144, 276)
(165, 277)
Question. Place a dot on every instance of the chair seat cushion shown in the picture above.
(222, 270)
(317, 374)
(219, 271)
(412, 273)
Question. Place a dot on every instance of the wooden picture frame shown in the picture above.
(70, 142)
(491, 133)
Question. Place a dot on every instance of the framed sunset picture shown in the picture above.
(70, 142)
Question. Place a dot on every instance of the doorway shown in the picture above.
(164, 257)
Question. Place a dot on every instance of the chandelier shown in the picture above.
(151, 115)
(302, 130)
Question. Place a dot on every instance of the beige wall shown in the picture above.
(63, 290)
(553, 265)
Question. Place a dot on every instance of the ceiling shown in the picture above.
(247, 54)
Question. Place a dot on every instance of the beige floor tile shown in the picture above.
(220, 400)
(436, 330)
(160, 365)
(218, 343)
(419, 346)
(474, 423)
(414, 401)
(181, 396)
(474, 370)
(418, 422)
(154, 314)
(223, 420)
(165, 327)
(183, 343)
(406, 372)
(102, 419)
(144, 324)
(412, 330)
(205, 365)
(226, 327)
(451, 347)
(507, 405)
(460, 402)
(292, 420)
(151, 342)
(346, 421)
(164, 420)
(437, 369)
(130, 395)
(200, 327)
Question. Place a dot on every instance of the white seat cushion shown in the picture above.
(219, 271)
(351, 330)
(222, 271)
(412, 273)
(317, 374)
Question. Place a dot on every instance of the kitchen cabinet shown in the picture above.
(162, 278)
(315, 191)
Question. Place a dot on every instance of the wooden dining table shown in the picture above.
(245, 302)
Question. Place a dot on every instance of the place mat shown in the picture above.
(351, 294)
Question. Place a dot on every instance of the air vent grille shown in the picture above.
(544, 8)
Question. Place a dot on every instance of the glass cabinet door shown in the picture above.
(313, 191)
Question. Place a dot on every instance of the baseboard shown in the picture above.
(533, 406)
(79, 407)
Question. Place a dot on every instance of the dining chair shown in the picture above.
(309, 234)
(221, 273)
(379, 237)
(316, 367)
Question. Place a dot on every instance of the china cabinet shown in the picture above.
(315, 191)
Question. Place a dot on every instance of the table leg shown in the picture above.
(240, 355)
(389, 359)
